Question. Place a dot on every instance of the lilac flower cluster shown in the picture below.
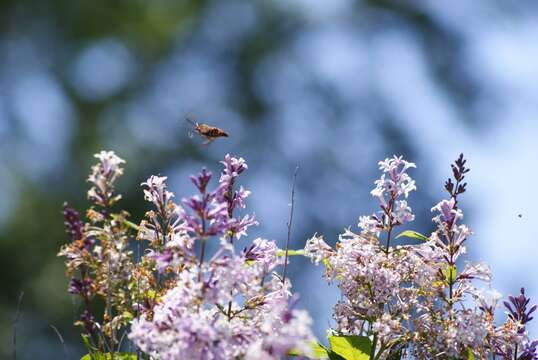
(227, 314)
(212, 211)
(175, 299)
(98, 259)
(393, 184)
(416, 301)
(103, 177)
(221, 308)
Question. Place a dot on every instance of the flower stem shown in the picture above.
(372, 350)
(289, 224)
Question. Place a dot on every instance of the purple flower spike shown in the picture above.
(73, 225)
(209, 216)
(529, 352)
(88, 320)
(517, 309)
(202, 180)
(80, 287)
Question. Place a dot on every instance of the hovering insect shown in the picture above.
(209, 132)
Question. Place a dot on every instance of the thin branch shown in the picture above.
(15, 322)
(289, 224)
(60, 337)
(121, 340)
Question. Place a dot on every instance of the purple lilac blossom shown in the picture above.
(221, 308)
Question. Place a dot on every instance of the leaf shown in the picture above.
(470, 354)
(450, 273)
(351, 347)
(318, 352)
(281, 252)
(108, 356)
(128, 316)
(87, 343)
(413, 235)
(335, 356)
(130, 224)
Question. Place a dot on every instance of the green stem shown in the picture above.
(374, 345)
(392, 201)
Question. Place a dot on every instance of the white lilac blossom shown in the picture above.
(370, 225)
(412, 301)
(394, 181)
(263, 253)
(317, 250)
(368, 279)
(402, 212)
(156, 191)
(393, 184)
(284, 329)
(103, 177)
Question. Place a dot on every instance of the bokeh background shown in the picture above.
(330, 85)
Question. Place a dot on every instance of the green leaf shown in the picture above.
(470, 354)
(318, 352)
(351, 347)
(87, 343)
(335, 356)
(130, 224)
(450, 273)
(413, 235)
(281, 252)
(108, 356)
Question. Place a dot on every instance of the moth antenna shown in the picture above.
(188, 119)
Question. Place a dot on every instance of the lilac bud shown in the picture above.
(74, 227)
(80, 287)
(202, 180)
(517, 309)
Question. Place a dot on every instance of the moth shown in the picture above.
(209, 132)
